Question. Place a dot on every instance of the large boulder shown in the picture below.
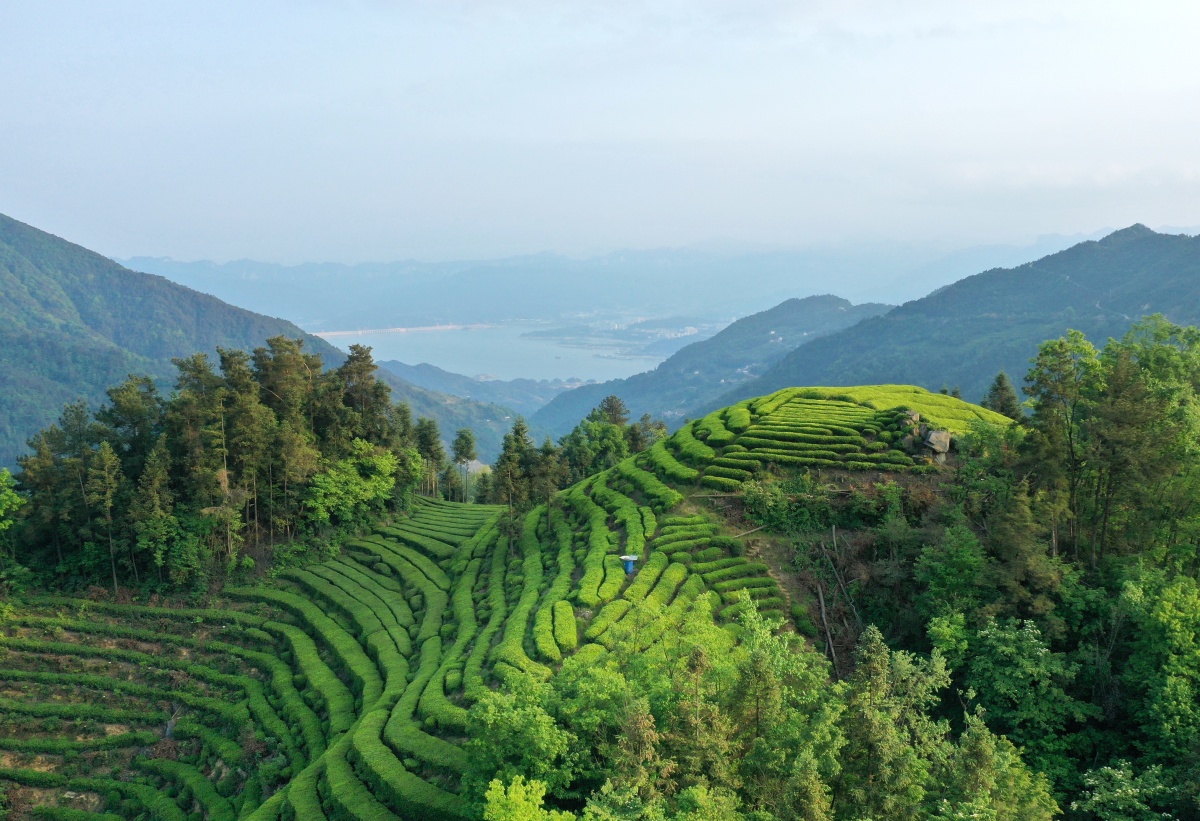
(938, 441)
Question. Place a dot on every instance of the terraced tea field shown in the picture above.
(844, 428)
(341, 690)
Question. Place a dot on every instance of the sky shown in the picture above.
(377, 130)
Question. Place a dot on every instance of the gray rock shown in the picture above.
(938, 441)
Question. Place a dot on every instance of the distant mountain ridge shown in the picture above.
(704, 370)
(524, 396)
(73, 323)
(963, 334)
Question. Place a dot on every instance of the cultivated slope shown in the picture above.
(704, 370)
(73, 323)
(340, 690)
(963, 334)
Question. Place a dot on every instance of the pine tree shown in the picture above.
(1002, 397)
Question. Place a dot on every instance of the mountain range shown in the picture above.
(704, 370)
(73, 323)
(963, 334)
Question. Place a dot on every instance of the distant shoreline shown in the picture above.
(421, 329)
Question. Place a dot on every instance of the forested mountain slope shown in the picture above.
(704, 370)
(963, 334)
(524, 396)
(73, 323)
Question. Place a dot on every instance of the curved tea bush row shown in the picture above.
(614, 578)
(734, 572)
(647, 576)
(216, 807)
(667, 466)
(738, 474)
(388, 779)
(390, 549)
(353, 660)
(433, 705)
(431, 546)
(659, 496)
(672, 534)
(625, 511)
(691, 448)
(607, 616)
(599, 542)
(282, 684)
(157, 804)
(566, 629)
(713, 431)
(544, 634)
(511, 648)
(338, 700)
(738, 418)
(473, 684)
(720, 483)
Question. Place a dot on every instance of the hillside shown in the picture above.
(704, 370)
(812, 593)
(524, 396)
(73, 323)
(964, 333)
(352, 677)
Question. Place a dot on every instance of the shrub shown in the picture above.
(720, 483)
(691, 448)
(566, 631)
(607, 617)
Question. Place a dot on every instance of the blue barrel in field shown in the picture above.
(629, 562)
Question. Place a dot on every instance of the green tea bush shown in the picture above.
(691, 448)
(720, 483)
(607, 617)
(651, 569)
(668, 467)
(566, 630)
(659, 496)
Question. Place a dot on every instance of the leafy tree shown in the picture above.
(351, 488)
(511, 734)
(103, 482)
(594, 445)
(1116, 793)
(463, 450)
(644, 433)
(9, 500)
(614, 411)
(1002, 397)
(132, 421)
(433, 453)
(1021, 686)
(519, 801)
(154, 524)
(890, 740)
(1059, 385)
(984, 777)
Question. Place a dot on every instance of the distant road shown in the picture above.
(423, 328)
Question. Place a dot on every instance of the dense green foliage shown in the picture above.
(265, 452)
(1008, 635)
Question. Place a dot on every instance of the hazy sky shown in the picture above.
(351, 131)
